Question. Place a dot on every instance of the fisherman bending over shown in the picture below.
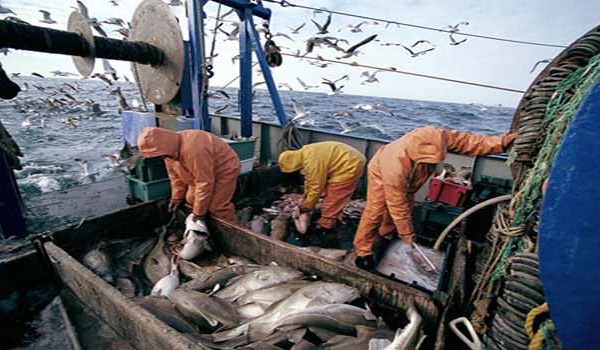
(202, 169)
(398, 170)
(332, 168)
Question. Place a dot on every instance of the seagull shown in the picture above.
(47, 18)
(227, 13)
(96, 110)
(283, 35)
(346, 129)
(121, 101)
(299, 110)
(453, 41)
(320, 64)
(123, 31)
(454, 28)
(482, 108)
(175, 3)
(547, 60)
(4, 50)
(103, 78)
(334, 89)
(14, 75)
(37, 75)
(220, 109)
(418, 42)
(73, 86)
(418, 53)
(322, 28)
(97, 26)
(376, 108)
(352, 50)
(86, 174)
(305, 86)
(58, 73)
(108, 69)
(342, 114)
(83, 10)
(388, 24)
(114, 21)
(6, 10)
(113, 160)
(233, 35)
(217, 93)
(355, 28)
(285, 85)
(114, 2)
(370, 78)
(68, 122)
(297, 29)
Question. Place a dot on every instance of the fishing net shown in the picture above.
(515, 228)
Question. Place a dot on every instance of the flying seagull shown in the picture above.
(334, 88)
(6, 10)
(299, 110)
(37, 75)
(322, 28)
(297, 29)
(108, 69)
(453, 41)
(370, 78)
(454, 28)
(418, 42)
(305, 86)
(545, 61)
(83, 10)
(418, 53)
(352, 50)
(354, 28)
(47, 18)
(285, 85)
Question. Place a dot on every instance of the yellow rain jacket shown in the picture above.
(322, 163)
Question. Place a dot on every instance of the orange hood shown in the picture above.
(156, 142)
(425, 145)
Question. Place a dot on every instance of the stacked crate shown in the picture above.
(148, 180)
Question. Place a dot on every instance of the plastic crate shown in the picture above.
(244, 148)
(247, 165)
(447, 192)
(498, 185)
(436, 213)
(150, 169)
(146, 191)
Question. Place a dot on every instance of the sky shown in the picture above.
(477, 60)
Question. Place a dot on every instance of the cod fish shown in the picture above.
(194, 244)
(265, 297)
(410, 337)
(362, 341)
(265, 277)
(258, 224)
(167, 284)
(340, 318)
(100, 263)
(164, 310)
(279, 227)
(220, 276)
(204, 310)
(157, 263)
(313, 294)
(194, 271)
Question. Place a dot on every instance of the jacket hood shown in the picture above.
(157, 142)
(290, 161)
(426, 145)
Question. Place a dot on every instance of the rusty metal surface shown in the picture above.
(154, 24)
(78, 24)
(129, 320)
(263, 250)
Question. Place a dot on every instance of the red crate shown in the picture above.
(448, 192)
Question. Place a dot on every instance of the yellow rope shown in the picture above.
(531, 316)
(538, 339)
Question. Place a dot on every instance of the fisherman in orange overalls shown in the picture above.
(203, 169)
(398, 170)
(330, 168)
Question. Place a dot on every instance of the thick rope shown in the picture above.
(542, 339)
(531, 317)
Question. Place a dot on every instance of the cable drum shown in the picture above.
(530, 112)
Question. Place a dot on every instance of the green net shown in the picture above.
(562, 107)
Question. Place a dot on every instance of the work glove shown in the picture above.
(174, 204)
(365, 262)
(508, 139)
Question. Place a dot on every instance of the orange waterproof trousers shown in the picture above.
(337, 196)
(220, 203)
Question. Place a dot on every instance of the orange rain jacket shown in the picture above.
(400, 168)
(202, 168)
(322, 163)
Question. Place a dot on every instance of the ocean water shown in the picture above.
(50, 147)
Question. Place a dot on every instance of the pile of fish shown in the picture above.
(225, 302)
(276, 220)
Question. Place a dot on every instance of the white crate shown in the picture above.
(247, 165)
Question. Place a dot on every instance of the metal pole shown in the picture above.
(21, 36)
(241, 5)
(266, 70)
(246, 73)
(195, 62)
